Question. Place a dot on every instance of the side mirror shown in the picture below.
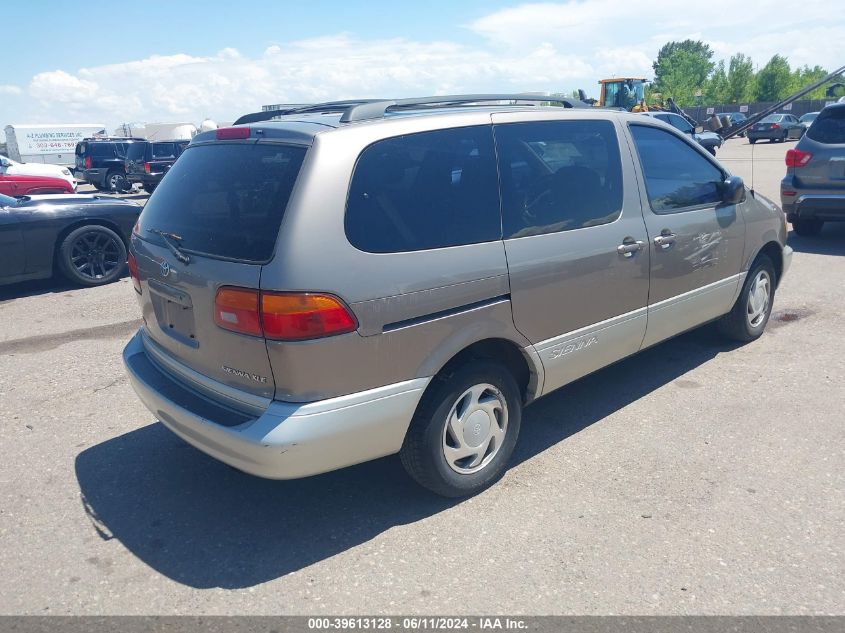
(699, 129)
(733, 190)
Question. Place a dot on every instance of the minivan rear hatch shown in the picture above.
(211, 224)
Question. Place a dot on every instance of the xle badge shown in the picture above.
(244, 374)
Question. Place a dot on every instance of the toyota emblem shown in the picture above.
(165, 269)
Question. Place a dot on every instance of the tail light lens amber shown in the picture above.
(282, 316)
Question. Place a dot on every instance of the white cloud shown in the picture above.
(529, 47)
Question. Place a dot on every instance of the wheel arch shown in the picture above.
(774, 251)
(76, 224)
(523, 363)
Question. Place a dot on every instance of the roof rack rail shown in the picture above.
(329, 106)
(378, 109)
(366, 109)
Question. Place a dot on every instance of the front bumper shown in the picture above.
(786, 258)
(287, 440)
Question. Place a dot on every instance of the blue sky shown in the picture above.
(109, 63)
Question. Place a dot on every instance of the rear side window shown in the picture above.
(677, 176)
(164, 150)
(136, 151)
(101, 150)
(422, 191)
(828, 127)
(558, 176)
(225, 200)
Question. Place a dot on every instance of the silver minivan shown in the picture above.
(361, 279)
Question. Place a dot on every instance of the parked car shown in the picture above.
(27, 185)
(13, 167)
(813, 190)
(807, 119)
(735, 118)
(776, 127)
(147, 162)
(708, 140)
(336, 286)
(100, 162)
(84, 237)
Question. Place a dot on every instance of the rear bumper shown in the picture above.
(94, 176)
(826, 207)
(287, 440)
(765, 134)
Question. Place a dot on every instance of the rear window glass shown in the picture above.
(225, 200)
(772, 118)
(423, 191)
(828, 127)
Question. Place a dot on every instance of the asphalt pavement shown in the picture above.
(698, 477)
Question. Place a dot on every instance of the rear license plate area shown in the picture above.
(174, 312)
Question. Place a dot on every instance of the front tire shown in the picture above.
(807, 228)
(92, 255)
(748, 318)
(464, 431)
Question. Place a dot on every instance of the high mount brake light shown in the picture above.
(232, 133)
(283, 316)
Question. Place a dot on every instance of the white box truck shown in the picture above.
(54, 144)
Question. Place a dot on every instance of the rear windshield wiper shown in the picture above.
(167, 237)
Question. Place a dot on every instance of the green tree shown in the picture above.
(741, 79)
(717, 89)
(682, 74)
(802, 77)
(774, 81)
(692, 56)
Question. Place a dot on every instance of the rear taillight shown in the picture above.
(232, 133)
(147, 168)
(775, 126)
(797, 158)
(236, 309)
(284, 316)
(88, 162)
(133, 272)
(299, 316)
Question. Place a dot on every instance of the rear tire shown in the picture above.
(748, 318)
(807, 228)
(464, 430)
(116, 181)
(92, 255)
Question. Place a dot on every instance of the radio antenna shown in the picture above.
(752, 169)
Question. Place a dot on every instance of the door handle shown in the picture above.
(665, 240)
(629, 247)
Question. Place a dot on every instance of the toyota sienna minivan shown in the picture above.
(358, 279)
